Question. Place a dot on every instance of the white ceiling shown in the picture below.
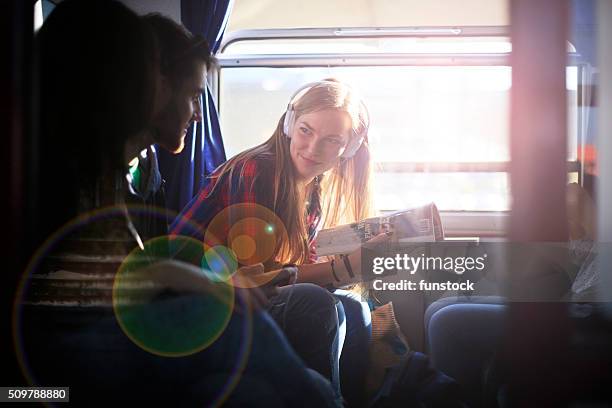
(371, 13)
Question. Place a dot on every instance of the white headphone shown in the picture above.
(354, 142)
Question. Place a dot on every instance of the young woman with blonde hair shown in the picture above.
(313, 172)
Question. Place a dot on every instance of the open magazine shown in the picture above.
(420, 224)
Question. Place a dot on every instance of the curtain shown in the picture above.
(186, 172)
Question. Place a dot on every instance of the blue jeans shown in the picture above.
(330, 332)
(308, 316)
(356, 315)
(251, 363)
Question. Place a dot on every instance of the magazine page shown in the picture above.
(420, 224)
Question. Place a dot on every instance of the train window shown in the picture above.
(439, 99)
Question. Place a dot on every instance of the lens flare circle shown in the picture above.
(103, 220)
(243, 246)
(252, 231)
(254, 234)
(150, 312)
(101, 233)
(219, 263)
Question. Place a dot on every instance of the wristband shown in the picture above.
(347, 265)
(332, 264)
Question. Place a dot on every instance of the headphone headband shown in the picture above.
(354, 142)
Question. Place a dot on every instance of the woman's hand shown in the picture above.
(253, 276)
(341, 270)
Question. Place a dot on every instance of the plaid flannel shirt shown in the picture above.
(251, 183)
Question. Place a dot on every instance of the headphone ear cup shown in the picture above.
(356, 142)
(288, 123)
(349, 151)
(353, 145)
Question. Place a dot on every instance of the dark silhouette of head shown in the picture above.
(97, 65)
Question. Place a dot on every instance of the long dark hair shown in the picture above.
(96, 77)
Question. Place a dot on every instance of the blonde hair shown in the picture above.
(344, 193)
